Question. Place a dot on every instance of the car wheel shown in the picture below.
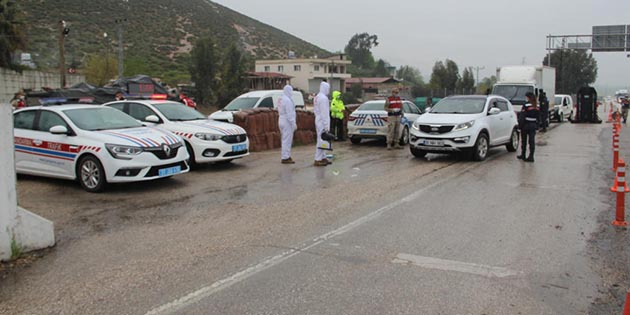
(480, 151)
(513, 144)
(355, 140)
(91, 174)
(191, 155)
(404, 140)
(417, 152)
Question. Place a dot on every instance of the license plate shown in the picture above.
(434, 143)
(170, 171)
(239, 147)
(368, 131)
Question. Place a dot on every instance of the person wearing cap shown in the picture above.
(18, 100)
(393, 107)
(528, 124)
(119, 96)
(183, 97)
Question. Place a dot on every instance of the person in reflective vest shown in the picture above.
(393, 107)
(336, 113)
(528, 124)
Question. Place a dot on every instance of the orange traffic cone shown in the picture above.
(626, 309)
(610, 115)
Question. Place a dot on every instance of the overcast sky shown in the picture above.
(482, 33)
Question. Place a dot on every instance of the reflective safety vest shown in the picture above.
(395, 105)
(336, 106)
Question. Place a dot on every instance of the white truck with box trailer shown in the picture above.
(514, 81)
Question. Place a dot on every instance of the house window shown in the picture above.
(280, 68)
(297, 68)
(316, 67)
(267, 68)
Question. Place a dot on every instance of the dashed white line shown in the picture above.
(217, 286)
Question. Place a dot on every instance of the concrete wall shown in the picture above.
(11, 81)
(8, 201)
(28, 230)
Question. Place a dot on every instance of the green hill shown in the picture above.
(158, 34)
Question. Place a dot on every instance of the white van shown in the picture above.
(255, 99)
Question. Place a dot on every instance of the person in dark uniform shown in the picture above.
(544, 111)
(528, 124)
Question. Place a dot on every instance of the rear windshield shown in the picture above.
(378, 105)
(459, 105)
(242, 103)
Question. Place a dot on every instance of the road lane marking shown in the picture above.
(452, 265)
(225, 283)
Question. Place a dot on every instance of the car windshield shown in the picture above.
(100, 118)
(178, 112)
(514, 93)
(558, 100)
(378, 105)
(459, 105)
(242, 103)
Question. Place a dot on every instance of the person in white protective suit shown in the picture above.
(287, 123)
(321, 107)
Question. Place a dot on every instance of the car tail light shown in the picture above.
(352, 118)
(384, 118)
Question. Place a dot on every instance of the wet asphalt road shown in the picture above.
(377, 232)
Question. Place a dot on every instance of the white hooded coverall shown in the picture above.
(321, 107)
(286, 120)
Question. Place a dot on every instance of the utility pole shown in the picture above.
(121, 56)
(477, 70)
(63, 31)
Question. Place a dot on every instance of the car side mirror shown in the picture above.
(152, 119)
(494, 111)
(58, 130)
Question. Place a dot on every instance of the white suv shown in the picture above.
(469, 123)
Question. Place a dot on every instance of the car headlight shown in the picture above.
(122, 151)
(464, 126)
(415, 126)
(208, 136)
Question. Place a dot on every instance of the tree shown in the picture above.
(204, 69)
(99, 69)
(412, 75)
(486, 84)
(467, 82)
(234, 68)
(574, 69)
(445, 75)
(359, 51)
(381, 69)
(12, 36)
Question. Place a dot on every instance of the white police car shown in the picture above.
(370, 121)
(94, 144)
(206, 140)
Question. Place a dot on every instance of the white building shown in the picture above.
(309, 73)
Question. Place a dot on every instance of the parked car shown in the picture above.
(370, 121)
(563, 108)
(255, 99)
(471, 123)
(206, 140)
(93, 144)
